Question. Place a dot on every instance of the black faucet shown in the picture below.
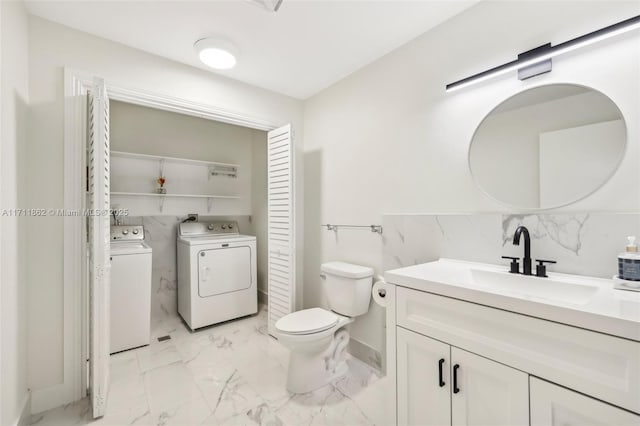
(541, 269)
(526, 260)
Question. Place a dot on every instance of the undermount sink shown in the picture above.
(587, 302)
(533, 287)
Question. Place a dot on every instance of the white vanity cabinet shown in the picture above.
(438, 384)
(553, 405)
(512, 369)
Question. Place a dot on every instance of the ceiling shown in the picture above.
(303, 48)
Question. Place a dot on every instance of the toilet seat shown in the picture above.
(307, 321)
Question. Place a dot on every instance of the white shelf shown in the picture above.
(189, 176)
(122, 154)
(162, 197)
(152, 194)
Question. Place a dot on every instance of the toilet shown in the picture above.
(317, 337)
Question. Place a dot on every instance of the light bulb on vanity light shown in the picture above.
(216, 53)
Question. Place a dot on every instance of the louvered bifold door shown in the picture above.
(281, 275)
(98, 244)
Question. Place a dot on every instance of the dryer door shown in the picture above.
(224, 270)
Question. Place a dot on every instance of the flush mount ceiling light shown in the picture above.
(216, 53)
(538, 61)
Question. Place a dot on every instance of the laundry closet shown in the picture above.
(168, 168)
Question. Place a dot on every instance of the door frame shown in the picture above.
(75, 330)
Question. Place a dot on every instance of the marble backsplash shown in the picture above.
(580, 243)
(161, 233)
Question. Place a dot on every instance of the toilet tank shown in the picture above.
(347, 287)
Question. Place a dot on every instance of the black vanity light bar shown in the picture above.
(546, 52)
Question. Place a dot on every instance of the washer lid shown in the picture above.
(307, 321)
(129, 247)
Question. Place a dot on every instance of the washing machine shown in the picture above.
(130, 288)
(217, 278)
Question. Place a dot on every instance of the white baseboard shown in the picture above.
(25, 412)
(366, 354)
(263, 297)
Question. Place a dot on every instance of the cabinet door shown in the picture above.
(485, 392)
(552, 405)
(423, 392)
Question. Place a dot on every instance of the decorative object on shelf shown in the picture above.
(161, 189)
(214, 168)
(223, 170)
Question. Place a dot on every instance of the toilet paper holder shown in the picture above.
(379, 291)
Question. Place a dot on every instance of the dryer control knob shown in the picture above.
(125, 231)
(224, 226)
(230, 226)
(135, 232)
(210, 227)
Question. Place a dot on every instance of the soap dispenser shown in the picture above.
(629, 262)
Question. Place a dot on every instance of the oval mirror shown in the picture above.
(548, 146)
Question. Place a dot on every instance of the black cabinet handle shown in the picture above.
(456, 389)
(440, 380)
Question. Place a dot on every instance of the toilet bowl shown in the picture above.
(317, 352)
(317, 337)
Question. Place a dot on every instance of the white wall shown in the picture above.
(145, 130)
(388, 139)
(13, 299)
(52, 47)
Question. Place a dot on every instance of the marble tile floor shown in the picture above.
(229, 374)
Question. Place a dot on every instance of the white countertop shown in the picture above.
(605, 309)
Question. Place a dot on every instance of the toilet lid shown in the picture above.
(307, 321)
